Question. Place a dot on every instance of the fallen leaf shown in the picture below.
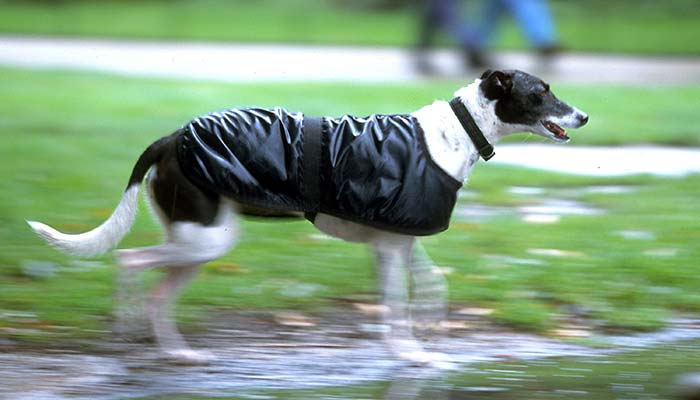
(475, 311)
(294, 319)
(371, 309)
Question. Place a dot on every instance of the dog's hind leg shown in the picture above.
(200, 227)
(188, 244)
(160, 307)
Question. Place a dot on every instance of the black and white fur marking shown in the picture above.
(201, 225)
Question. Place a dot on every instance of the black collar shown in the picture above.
(482, 145)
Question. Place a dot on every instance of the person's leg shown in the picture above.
(535, 19)
(448, 16)
(428, 24)
(457, 26)
(472, 42)
(489, 16)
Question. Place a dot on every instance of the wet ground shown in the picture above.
(339, 356)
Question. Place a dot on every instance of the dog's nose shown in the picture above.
(583, 119)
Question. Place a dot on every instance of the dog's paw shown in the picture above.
(404, 344)
(189, 357)
(429, 359)
(411, 350)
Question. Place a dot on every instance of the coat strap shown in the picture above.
(311, 161)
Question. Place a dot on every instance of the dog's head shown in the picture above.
(524, 103)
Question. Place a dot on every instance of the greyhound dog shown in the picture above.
(199, 206)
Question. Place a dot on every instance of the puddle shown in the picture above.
(636, 235)
(503, 259)
(664, 252)
(560, 207)
(545, 211)
(526, 190)
(555, 253)
(547, 205)
(570, 192)
(332, 359)
(606, 189)
(475, 212)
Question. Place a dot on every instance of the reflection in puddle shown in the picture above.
(526, 190)
(658, 373)
(554, 204)
(560, 207)
(547, 211)
(475, 212)
(636, 235)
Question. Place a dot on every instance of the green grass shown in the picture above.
(668, 27)
(70, 141)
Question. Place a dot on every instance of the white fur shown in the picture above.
(572, 120)
(100, 239)
(448, 144)
(398, 258)
(188, 243)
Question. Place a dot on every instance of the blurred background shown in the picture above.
(573, 270)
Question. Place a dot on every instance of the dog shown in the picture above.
(192, 195)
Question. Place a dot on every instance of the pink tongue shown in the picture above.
(557, 129)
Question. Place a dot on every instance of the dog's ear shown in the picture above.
(496, 84)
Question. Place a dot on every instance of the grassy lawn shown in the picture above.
(70, 141)
(648, 26)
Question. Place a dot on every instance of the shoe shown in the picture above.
(476, 59)
(550, 51)
(422, 64)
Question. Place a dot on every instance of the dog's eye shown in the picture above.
(536, 98)
(544, 90)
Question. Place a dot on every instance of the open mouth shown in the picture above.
(558, 131)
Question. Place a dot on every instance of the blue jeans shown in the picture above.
(447, 15)
(533, 16)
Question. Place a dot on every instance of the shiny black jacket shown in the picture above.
(375, 170)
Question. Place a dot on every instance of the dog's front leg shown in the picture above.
(392, 257)
(393, 254)
(429, 304)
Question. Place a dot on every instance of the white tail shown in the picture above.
(100, 239)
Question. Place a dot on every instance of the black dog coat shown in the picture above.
(375, 170)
